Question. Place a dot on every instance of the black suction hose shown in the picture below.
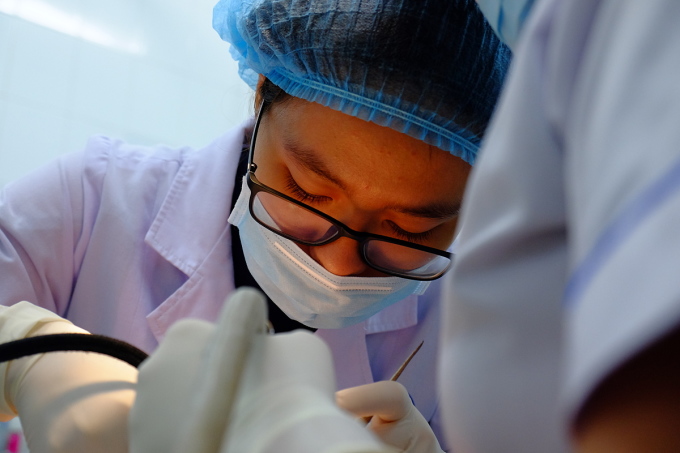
(63, 342)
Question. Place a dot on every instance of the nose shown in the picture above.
(340, 257)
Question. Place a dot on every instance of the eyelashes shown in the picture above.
(301, 194)
(407, 235)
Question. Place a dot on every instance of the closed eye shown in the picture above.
(408, 236)
(303, 195)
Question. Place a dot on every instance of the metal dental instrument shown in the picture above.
(396, 375)
(401, 369)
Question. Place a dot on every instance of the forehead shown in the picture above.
(362, 155)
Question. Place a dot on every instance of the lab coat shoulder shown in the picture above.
(167, 210)
(41, 224)
(47, 218)
(107, 235)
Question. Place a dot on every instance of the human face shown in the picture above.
(362, 175)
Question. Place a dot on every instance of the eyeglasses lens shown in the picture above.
(291, 219)
(405, 260)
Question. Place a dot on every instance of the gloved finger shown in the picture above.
(165, 386)
(242, 319)
(286, 402)
(291, 359)
(387, 400)
(396, 421)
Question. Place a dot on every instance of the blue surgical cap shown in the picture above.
(432, 69)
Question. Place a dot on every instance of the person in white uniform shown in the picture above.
(562, 334)
(344, 211)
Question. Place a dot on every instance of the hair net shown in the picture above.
(431, 69)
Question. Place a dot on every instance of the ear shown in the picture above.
(258, 97)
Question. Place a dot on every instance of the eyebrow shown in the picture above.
(308, 159)
(311, 162)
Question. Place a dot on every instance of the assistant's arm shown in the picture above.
(637, 408)
(19, 321)
(68, 402)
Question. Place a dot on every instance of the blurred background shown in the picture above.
(146, 71)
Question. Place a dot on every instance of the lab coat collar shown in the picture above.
(400, 315)
(350, 342)
(194, 213)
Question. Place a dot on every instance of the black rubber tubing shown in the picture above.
(64, 342)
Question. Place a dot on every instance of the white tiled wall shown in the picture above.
(147, 71)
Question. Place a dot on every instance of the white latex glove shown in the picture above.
(235, 389)
(69, 401)
(395, 419)
(167, 384)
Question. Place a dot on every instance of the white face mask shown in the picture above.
(506, 17)
(302, 288)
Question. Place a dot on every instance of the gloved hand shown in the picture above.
(67, 401)
(234, 388)
(395, 419)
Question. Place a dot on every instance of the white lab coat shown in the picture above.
(570, 243)
(124, 240)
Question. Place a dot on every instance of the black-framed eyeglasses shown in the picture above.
(306, 225)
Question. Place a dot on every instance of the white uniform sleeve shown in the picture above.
(570, 239)
(17, 322)
(502, 330)
(622, 179)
